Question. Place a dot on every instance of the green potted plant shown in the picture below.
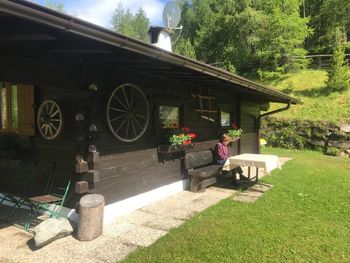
(234, 132)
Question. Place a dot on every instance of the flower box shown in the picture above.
(174, 148)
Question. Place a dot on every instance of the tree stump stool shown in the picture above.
(90, 217)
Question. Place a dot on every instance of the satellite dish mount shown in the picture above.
(160, 36)
(171, 16)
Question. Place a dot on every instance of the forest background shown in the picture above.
(268, 41)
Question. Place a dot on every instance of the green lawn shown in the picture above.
(305, 217)
(318, 104)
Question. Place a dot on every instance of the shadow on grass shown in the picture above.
(315, 92)
(239, 185)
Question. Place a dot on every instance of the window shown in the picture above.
(16, 108)
(225, 119)
(169, 116)
(3, 106)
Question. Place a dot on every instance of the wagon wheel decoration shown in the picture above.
(127, 113)
(49, 119)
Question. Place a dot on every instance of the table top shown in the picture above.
(255, 157)
(268, 162)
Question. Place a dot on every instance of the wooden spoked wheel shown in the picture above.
(49, 119)
(127, 113)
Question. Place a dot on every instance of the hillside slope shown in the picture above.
(318, 104)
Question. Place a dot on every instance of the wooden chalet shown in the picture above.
(90, 104)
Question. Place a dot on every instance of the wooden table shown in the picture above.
(267, 162)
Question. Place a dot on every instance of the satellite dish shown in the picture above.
(171, 15)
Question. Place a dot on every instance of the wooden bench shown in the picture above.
(201, 170)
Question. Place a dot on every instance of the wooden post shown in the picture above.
(90, 217)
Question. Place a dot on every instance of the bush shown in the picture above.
(332, 151)
(289, 89)
(297, 61)
(287, 139)
(268, 75)
(339, 75)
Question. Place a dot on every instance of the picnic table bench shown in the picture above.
(264, 161)
(201, 169)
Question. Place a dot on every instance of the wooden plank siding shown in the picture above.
(126, 169)
(249, 112)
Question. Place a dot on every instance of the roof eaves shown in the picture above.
(65, 22)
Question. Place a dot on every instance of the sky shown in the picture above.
(100, 11)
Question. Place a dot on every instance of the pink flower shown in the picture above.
(192, 135)
(187, 142)
(233, 125)
(185, 129)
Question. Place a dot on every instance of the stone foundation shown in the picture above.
(330, 138)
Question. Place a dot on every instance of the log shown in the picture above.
(90, 217)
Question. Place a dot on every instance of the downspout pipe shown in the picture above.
(264, 115)
(275, 111)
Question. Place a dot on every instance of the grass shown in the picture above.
(303, 218)
(318, 104)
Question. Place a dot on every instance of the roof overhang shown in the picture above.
(29, 28)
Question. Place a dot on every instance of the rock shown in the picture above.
(345, 127)
(344, 145)
(337, 136)
(50, 230)
(343, 154)
(316, 142)
(347, 151)
(334, 144)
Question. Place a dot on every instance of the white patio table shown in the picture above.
(267, 162)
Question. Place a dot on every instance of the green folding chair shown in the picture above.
(51, 202)
(26, 176)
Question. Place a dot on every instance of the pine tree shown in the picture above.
(55, 5)
(339, 74)
(124, 22)
(247, 35)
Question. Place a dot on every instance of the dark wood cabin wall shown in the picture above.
(249, 113)
(128, 169)
(63, 85)
(61, 151)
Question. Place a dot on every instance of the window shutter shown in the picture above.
(26, 119)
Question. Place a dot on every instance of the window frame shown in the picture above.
(8, 120)
(25, 102)
(161, 132)
(180, 112)
(229, 119)
(232, 110)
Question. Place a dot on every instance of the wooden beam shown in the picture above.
(27, 37)
(77, 51)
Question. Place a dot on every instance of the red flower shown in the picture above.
(187, 142)
(233, 125)
(185, 129)
(192, 135)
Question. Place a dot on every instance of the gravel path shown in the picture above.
(138, 229)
